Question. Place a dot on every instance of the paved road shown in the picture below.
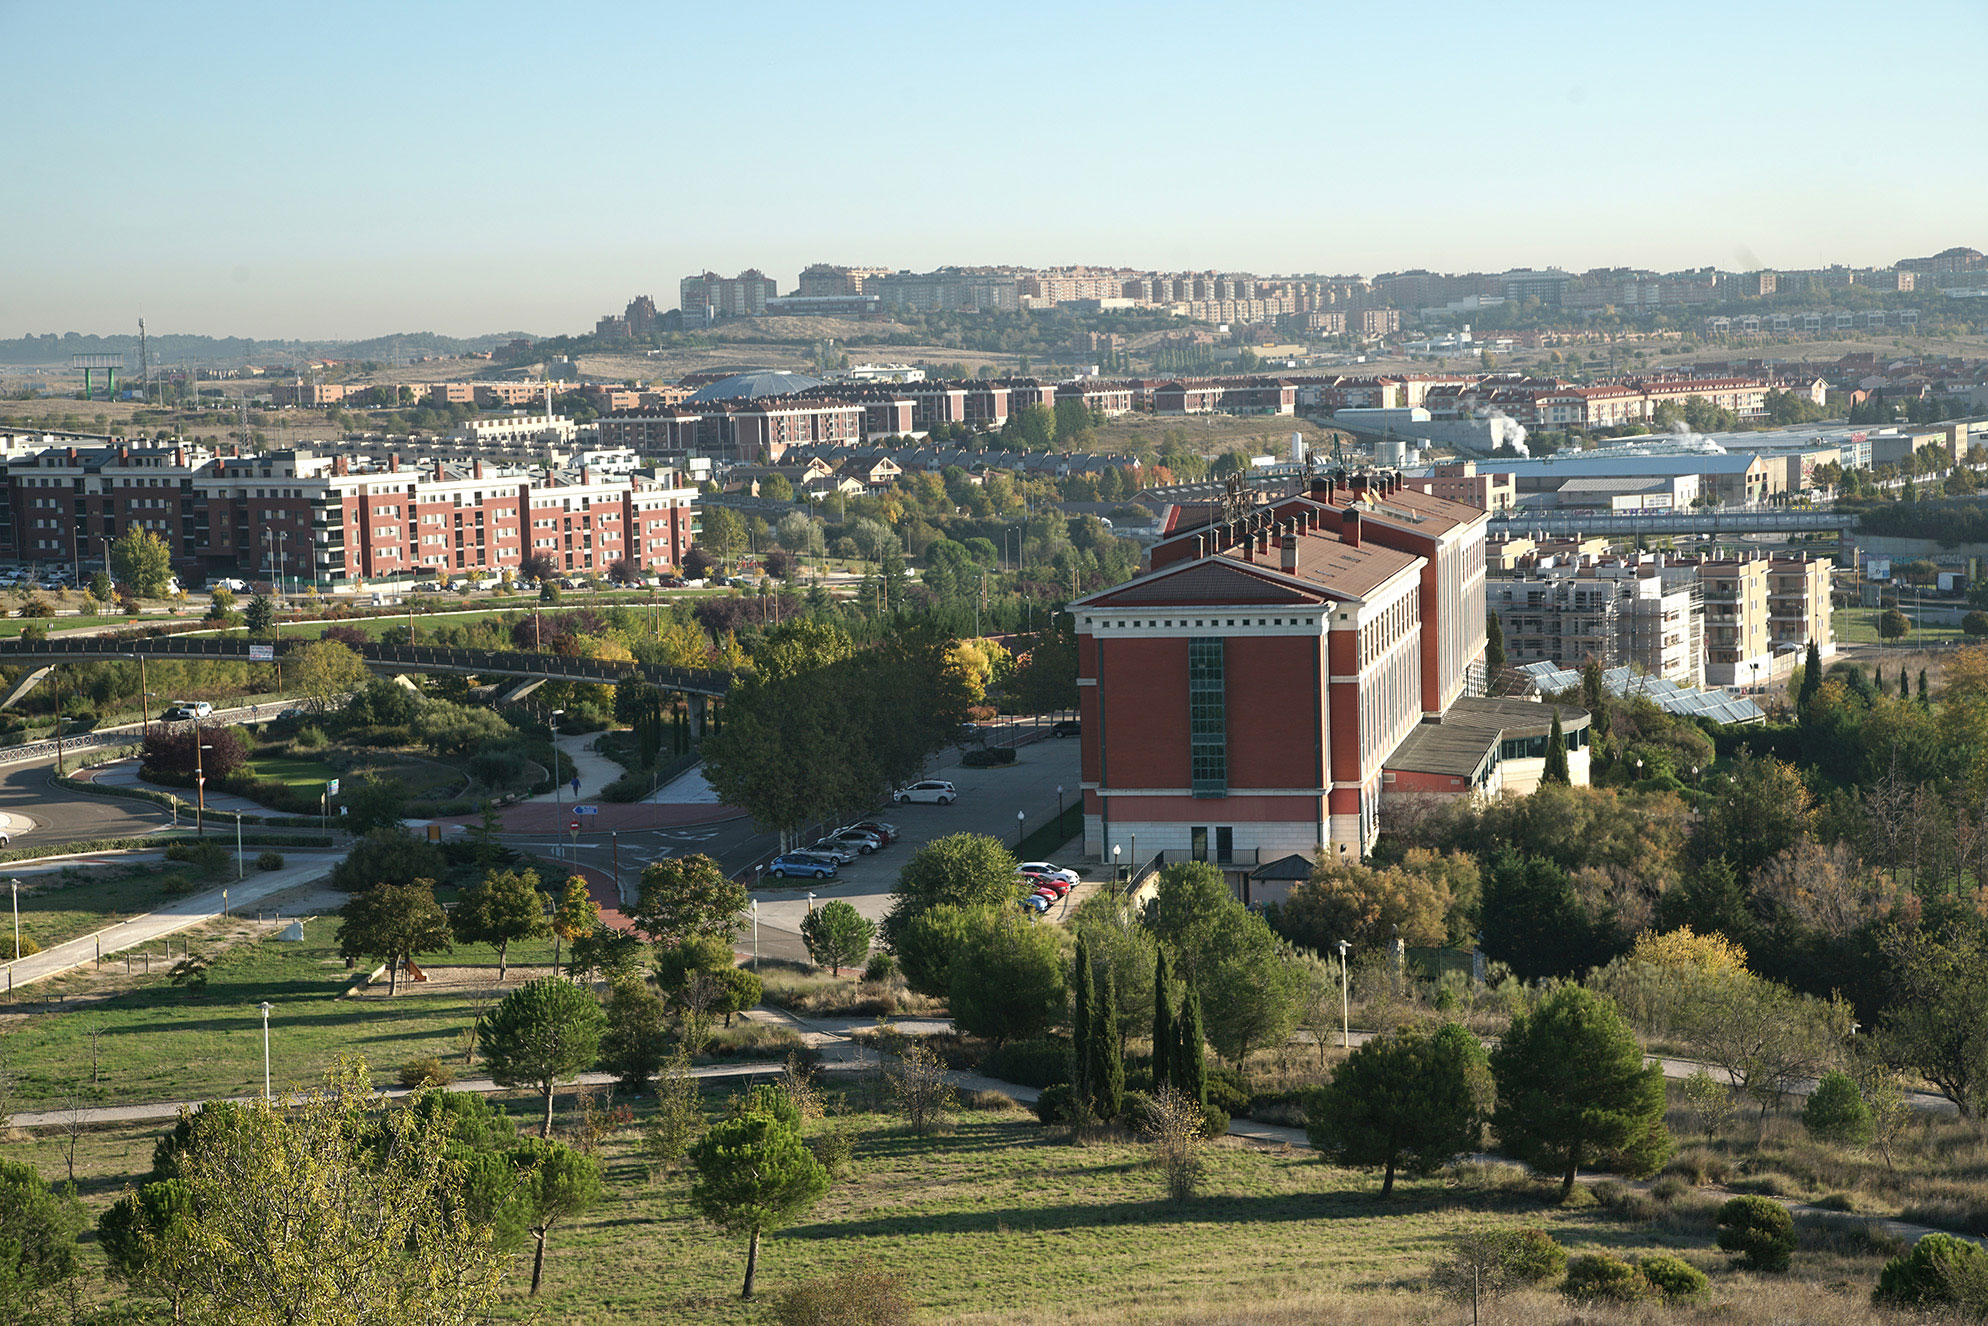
(170, 919)
(57, 815)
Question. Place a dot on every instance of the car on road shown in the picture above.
(186, 709)
(1068, 727)
(862, 840)
(986, 757)
(5, 838)
(931, 790)
(841, 853)
(1048, 870)
(806, 865)
(877, 829)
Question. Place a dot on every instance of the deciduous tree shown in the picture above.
(141, 561)
(555, 1183)
(392, 923)
(837, 935)
(686, 896)
(503, 906)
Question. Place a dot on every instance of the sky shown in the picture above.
(356, 169)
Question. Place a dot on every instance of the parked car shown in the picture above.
(984, 757)
(931, 790)
(806, 865)
(879, 829)
(863, 841)
(6, 838)
(841, 853)
(1055, 888)
(1037, 903)
(1068, 727)
(1049, 870)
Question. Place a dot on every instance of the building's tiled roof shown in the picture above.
(1460, 741)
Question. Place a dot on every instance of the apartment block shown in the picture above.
(741, 296)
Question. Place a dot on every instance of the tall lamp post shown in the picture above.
(199, 782)
(15, 884)
(265, 1048)
(755, 924)
(1021, 818)
(1345, 1001)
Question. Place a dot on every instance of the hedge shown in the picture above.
(166, 800)
(158, 840)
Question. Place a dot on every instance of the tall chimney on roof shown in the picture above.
(1288, 546)
(1349, 526)
(393, 462)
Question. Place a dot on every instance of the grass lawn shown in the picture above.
(161, 1042)
(1860, 626)
(291, 770)
(1000, 1220)
(56, 907)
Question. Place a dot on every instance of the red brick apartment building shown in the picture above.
(1259, 689)
(316, 518)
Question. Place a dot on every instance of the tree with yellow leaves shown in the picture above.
(1682, 948)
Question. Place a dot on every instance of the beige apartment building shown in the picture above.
(1761, 613)
(1460, 481)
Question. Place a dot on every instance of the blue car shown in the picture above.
(807, 865)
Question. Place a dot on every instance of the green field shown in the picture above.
(57, 907)
(1000, 1220)
(161, 1042)
(291, 770)
(1860, 626)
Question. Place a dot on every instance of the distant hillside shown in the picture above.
(233, 350)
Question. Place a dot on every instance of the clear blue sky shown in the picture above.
(351, 169)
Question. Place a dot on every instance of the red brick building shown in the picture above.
(1242, 699)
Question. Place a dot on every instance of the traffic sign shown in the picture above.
(262, 653)
(586, 810)
(331, 788)
(573, 827)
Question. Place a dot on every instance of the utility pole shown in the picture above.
(199, 782)
(55, 675)
(144, 366)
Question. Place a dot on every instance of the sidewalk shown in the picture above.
(124, 773)
(595, 770)
(170, 919)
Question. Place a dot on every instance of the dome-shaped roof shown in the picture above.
(752, 386)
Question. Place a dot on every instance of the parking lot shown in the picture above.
(988, 801)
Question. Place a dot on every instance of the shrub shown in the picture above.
(1532, 1255)
(309, 737)
(1940, 1271)
(420, 1073)
(1676, 1279)
(1596, 1277)
(28, 947)
(1057, 1104)
(269, 861)
(861, 1296)
(1214, 1120)
(1042, 1061)
(1758, 1229)
(880, 968)
(1836, 1111)
(1227, 1090)
(1700, 1167)
(833, 1149)
(1669, 1188)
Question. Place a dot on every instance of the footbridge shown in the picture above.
(38, 655)
(1668, 524)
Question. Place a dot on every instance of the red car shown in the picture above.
(1055, 888)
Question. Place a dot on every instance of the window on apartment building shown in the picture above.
(1207, 718)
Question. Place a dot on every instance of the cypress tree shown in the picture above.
(1162, 1022)
(1904, 682)
(1494, 645)
(1924, 698)
(1877, 678)
(1080, 1024)
(1107, 1066)
(1811, 679)
(1556, 755)
(1189, 1061)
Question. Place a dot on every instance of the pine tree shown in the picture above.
(1189, 1059)
(1556, 755)
(1107, 1066)
(1162, 1023)
(1080, 1023)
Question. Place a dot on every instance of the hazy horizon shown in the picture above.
(367, 170)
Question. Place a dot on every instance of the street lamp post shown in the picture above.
(1115, 867)
(265, 1048)
(557, 714)
(1059, 803)
(15, 884)
(1345, 1001)
(199, 782)
(755, 923)
(1021, 818)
